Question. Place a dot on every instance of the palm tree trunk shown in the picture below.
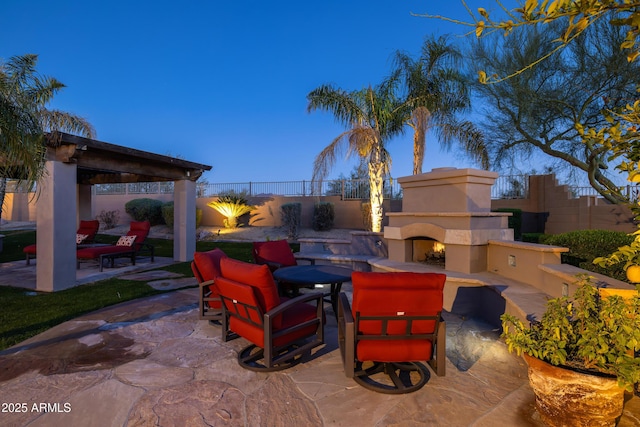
(3, 192)
(419, 122)
(376, 197)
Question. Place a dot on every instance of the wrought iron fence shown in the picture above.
(345, 188)
(510, 187)
(505, 187)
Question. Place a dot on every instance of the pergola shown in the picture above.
(73, 165)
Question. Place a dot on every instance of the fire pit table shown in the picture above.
(310, 275)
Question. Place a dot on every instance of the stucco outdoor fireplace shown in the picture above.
(446, 213)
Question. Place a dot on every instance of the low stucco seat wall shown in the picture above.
(520, 280)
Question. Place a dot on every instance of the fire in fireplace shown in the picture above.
(428, 251)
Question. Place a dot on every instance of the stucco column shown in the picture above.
(184, 220)
(56, 228)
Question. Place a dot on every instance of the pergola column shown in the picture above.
(56, 225)
(184, 220)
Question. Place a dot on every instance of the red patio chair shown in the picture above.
(131, 246)
(277, 254)
(281, 330)
(206, 268)
(274, 253)
(86, 234)
(394, 323)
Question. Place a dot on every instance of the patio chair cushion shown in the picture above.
(393, 294)
(207, 264)
(87, 228)
(140, 229)
(246, 293)
(90, 228)
(258, 276)
(94, 253)
(206, 267)
(274, 252)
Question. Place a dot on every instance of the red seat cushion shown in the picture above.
(94, 253)
(297, 314)
(396, 294)
(276, 251)
(31, 249)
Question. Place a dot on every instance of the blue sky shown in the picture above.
(223, 83)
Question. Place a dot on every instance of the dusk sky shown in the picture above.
(224, 83)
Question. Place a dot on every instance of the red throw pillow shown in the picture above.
(208, 263)
(257, 276)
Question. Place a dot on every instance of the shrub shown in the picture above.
(108, 219)
(145, 209)
(586, 245)
(291, 218)
(323, 216)
(531, 237)
(515, 221)
(167, 214)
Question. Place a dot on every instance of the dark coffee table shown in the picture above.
(310, 275)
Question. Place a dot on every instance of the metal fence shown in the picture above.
(135, 188)
(510, 187)
(345, 188)
(505, 187)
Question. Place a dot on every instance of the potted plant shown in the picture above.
(582, 355)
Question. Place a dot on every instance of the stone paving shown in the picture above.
(151, 362)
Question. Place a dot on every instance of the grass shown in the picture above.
(25, 314)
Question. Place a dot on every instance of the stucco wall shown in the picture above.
(549, 209)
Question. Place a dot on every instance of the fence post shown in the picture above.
(250, 189)
(303, 187)
(342, 189)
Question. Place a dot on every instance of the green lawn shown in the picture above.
(25, 314)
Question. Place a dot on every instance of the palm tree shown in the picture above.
(26, 123)
(438, 93)
(372, 116)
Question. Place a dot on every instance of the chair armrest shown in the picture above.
(312, 261)
(273, 265)
(293, 302)
(346, 335)
(205, 285)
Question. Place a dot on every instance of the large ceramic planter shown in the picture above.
(569, 398)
